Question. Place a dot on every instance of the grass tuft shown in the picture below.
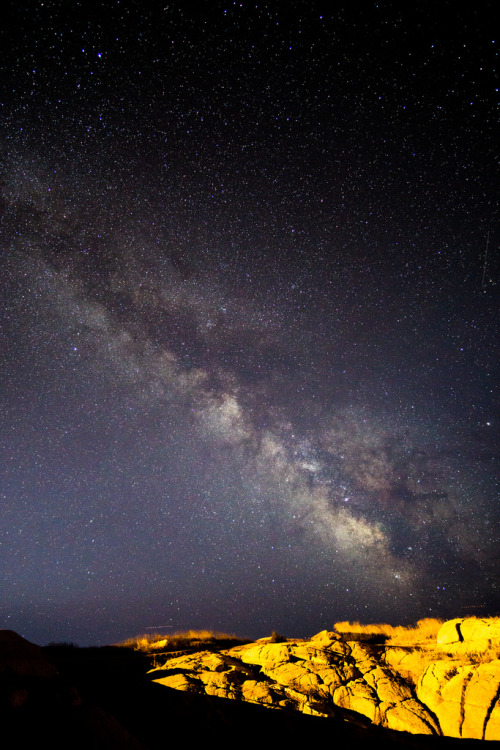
(183, 640)
(395, 635)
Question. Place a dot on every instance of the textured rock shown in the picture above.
(476, 632)
(267, 653)
(450, 632)
(450, 710)
(324, 675)
(408, 662)
(357, 696)
(436, 676)
(492, 730)
(258, 692)
(331, 641)
(481, 698)
(464, 698)
(474, 629)
(410, 716)
(388, 688)
(325, 638)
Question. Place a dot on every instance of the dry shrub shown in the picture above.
(397, 635)
(424, 631)
(180, 641)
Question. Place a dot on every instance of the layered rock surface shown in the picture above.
(325, 676)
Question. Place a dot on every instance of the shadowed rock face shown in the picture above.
(327, 675)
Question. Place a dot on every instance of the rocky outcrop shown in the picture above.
(327, 676)
(464, 698)
(315, 677)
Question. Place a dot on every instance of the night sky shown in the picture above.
(249, 341)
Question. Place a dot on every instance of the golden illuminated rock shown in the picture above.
(410, 716)
(434, 687)
(357, 696)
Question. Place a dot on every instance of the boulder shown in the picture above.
(480, 700)
(450, 632)
(464, 698)
(477, 632)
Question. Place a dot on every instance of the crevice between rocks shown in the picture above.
(489, 711)
(462, 702)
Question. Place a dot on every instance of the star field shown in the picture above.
(249, 345)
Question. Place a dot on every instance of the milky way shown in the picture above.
(249, 343)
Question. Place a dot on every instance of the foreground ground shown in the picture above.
(351, 684)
